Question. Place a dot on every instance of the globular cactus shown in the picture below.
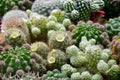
(81, 10)
(56, 58)
(15, 37)
(97, 77)
(89, 30)
(113, 73)
(45, 7)
(16, 60)
(75, 76)
(59, 40)
(68, 69)
(15, 13)
(86, 75)
(41, 48)
(115, 48)
(112, 27)
(55, 75)
(7, 5)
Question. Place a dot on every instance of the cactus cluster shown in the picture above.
(45, 7)
(7, 5)
(19, 60)
(55, 75)
(113, 27)
(81, 9)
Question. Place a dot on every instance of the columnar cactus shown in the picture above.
(7, 5)
(81, 9)
(59, 40)
(45, 7)
(20, 59)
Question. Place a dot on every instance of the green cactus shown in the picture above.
(88, 30)
(41, 48)
(15, 13)
(55, 75)
(112, 62)
(113, 27)
(75, 76)
(97, 77)
(56, 58)
(113, 73)
(7, 5)
(81, 9)
(15, 60)
(45, 7)
(86, 75)
(68, 69)
(59, 40)
(15, 37)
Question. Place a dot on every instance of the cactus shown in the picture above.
(111, 62)
(41, 48)
(15, 37)
(81, 10)
(113, 73)
(15, 13)
(112, 27)
(97, 77)
(56, 58)
(68, 69)
(15, 60)
(45, 7)
(59, 40)
(111, 8)
(86, 75)
(7, 5)
(75, 76)
(55, 75)
(88, 30)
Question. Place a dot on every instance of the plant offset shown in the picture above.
(57, 40)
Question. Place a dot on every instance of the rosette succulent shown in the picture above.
(6, 5)
(18, 61)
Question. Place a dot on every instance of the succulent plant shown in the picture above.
(15, 13)
(56, 58)
(86, 75)
(88, 30)
(111, 8)
(15, 37)
(45, 7)
(113, 73)
(68, 69)
(20, 60)
(59, 40)
(75, 76)
(81, 10)
(113, 27)
(112, 62)
(97, 77)
(7, 5)
(55, 75)
(41, 48)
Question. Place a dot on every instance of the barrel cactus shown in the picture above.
(81, 9)
(45, 7)
(56, 58)
(7, 5)
(88, 30)
(59, 40)
(41, 48)
(113, 27)
(16, 60)
(15, 37)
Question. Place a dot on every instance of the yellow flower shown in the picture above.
(51, 60)
(14, 35)
(34, 48)
(60, 38)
